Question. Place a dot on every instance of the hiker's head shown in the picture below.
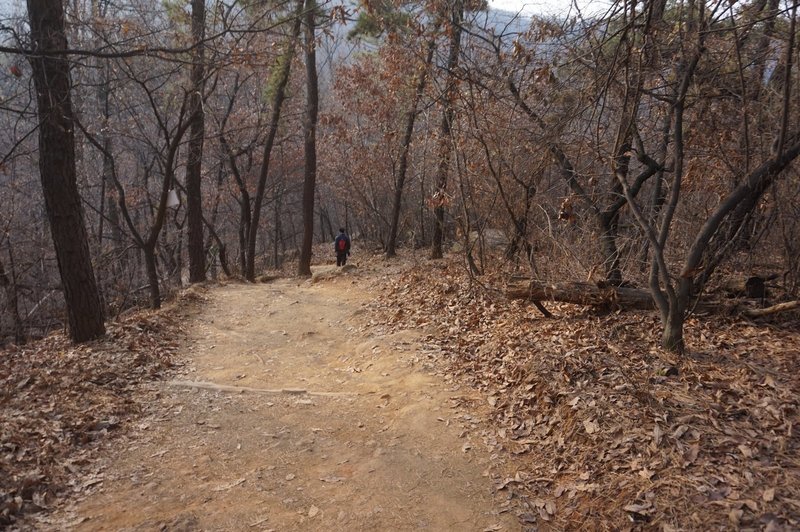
(341, 229)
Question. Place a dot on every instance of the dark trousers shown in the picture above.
(341, 259)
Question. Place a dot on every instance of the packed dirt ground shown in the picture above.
(292, 413)
(401, 395)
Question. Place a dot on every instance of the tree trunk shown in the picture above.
(445, 129)
(608, 244)
(762, 55)
(152, 276)
(520, 239)
(672, 300)
(310, 144)
(120, 263)
(211, 224)
(245, 220)
(194, 198)
(10, 287)
(411, 117)
(672, 335)
(277, 231)
(221, 247)
(58, 173)
(243, 247)
(279, 95)
(149, 246)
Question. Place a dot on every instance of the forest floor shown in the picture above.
(396, 396)
(346, 431)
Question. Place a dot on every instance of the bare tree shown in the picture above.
(194, 198)
(454, 16)
(674, 294)
(309, 139)
(58, 172)
(280, 80)
(420, 82)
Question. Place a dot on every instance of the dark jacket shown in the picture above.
(342, 236)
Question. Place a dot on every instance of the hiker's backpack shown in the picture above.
(342, 245)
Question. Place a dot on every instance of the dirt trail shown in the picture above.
(383, 448)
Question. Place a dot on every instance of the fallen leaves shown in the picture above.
(59, 401)
(590, 426)
(585, 401)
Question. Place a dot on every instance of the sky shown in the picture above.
(549, 7)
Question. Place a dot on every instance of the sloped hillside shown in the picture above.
(605, 430)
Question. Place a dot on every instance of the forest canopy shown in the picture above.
(150, 144)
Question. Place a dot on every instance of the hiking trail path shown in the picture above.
(343, 426)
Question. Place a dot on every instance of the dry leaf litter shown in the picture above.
(598, 427)
(59, 403)
(607, 430)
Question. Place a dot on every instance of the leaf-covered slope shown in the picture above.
(59, 402)
(608, 430)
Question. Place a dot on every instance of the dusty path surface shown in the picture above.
(350, 430)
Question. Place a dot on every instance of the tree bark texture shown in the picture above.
(310, 141)
(10, 287)
(58, 173)
(152, 276)
(608, 240)
(580, 293)
(194, 198)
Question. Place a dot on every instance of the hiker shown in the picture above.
(341, 247)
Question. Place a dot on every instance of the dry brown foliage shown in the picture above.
(60, 402)
(609, 431)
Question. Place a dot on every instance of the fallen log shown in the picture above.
(595, 295)
(580, 293)
(774, 309)
(753, 287)
(621, 297)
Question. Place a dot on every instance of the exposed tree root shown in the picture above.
(243, 389)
